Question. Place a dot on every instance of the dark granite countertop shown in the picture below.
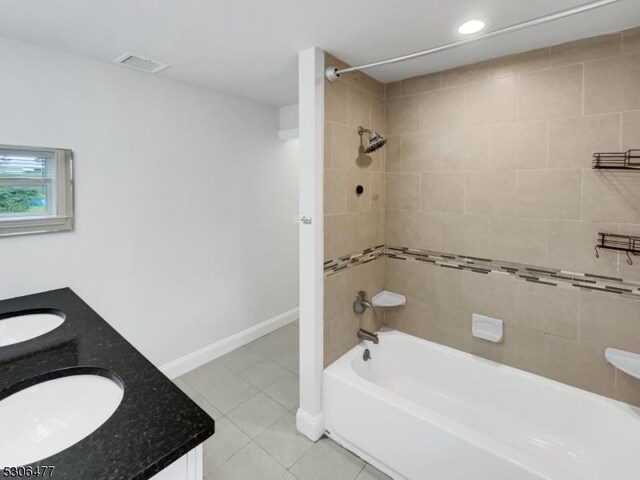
(155, 424)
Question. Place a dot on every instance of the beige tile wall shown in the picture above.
(352, 223)
(494, 160)
(341, 324)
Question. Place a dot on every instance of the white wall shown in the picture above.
(289, 122)
(311, 85)
(289, 117)
(184, 200)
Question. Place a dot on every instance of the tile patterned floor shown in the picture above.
(252, 393)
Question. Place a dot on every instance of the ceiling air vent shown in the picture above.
(140, 63)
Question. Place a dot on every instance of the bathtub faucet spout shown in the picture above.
(367, 335)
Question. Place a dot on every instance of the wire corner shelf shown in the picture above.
(629, 160)
(622, 243)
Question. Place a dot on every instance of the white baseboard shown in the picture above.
(193, 360)
(310, 425)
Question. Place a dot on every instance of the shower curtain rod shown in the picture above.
(332, 73)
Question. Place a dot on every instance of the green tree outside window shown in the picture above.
(18, 199)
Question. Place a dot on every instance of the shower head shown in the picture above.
(376, 141)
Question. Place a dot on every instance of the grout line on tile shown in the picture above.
(548, 162)
(584, 74)
(621, 130)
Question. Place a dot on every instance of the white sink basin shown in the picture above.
(48, 417)
(25, 327)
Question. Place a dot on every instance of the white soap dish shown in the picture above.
(487, 328)
(628, 362)
(389, 299)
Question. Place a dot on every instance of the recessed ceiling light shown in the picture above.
(471, 27)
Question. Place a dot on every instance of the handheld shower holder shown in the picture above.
(360, 304)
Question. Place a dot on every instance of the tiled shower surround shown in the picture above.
(352, 223)
(493, 161)
(529, 273)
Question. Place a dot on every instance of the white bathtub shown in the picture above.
(422, 411)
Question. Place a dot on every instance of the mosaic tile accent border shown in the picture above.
(331, 267)
(542, 275)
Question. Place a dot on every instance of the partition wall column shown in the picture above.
(309, 418)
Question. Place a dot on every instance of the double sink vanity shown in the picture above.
(77, 401)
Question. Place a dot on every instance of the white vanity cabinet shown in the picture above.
(187, 467)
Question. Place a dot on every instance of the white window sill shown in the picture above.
(28, 225)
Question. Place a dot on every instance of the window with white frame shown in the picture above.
(36, 190)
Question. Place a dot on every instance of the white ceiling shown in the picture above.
(249, 48)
